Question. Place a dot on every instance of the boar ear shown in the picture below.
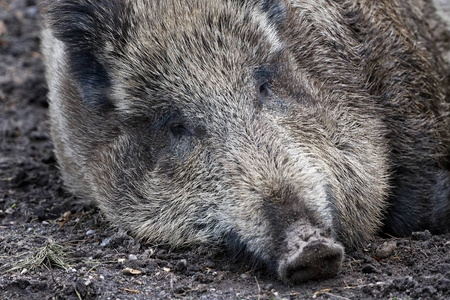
(84, 27)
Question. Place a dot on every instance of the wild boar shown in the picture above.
(284, 129)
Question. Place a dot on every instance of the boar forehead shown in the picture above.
(189, 53)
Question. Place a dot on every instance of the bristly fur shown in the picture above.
(278, 127)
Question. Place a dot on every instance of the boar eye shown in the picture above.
(264, 90)
(178, 130)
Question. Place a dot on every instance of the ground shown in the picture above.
(53, 248)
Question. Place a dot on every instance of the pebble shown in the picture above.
(121, 260)
(132, 257)
(90, 232)
(386, 249)
(105, 242)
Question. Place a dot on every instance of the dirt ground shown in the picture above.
(58, 249)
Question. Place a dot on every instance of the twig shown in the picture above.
(335, 296)
(259, 288)
(78, 294)
(131, 291)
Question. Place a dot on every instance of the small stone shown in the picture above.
(105, 242)
(244, 276)
(386, 249)
(90, 232)
(132, 257)
(9, 211)
(121, 260)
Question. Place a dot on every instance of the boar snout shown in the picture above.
(314, 259)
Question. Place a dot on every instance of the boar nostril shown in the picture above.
(316, 260)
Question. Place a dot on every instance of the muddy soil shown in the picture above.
(97, 261)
